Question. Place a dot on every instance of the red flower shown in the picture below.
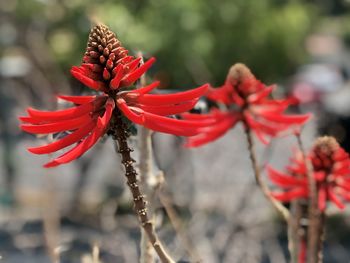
(245, 99)
(331, 170)
(107, 68)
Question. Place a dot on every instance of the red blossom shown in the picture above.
(108, 69)
(245, 99)
(331, 171)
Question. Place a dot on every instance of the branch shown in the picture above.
(264, 188)
(120, 134)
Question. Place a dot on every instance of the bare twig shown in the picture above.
(264, 188)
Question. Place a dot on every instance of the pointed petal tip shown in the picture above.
(31, 150)
(51, 164)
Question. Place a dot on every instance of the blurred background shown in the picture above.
(82, 212)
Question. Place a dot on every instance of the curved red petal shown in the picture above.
(136, 118)
(287, 119)
(322, 198)
(136, 74)
(146, 89)
(164, 99)
(290, 195)
(284, 180)
(55, 127)
(256, 97)
(333, 197)
(66, 114)
(207, 135)
(76, 99)
(74, 137)
(89, 82)
(88, 142)
(119, 73)
(132, 65)
(221, 94)
(165, 110)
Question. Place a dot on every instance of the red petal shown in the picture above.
(169, 109)
(194, 116)
(288, 119)
(77, 99)
(256, 97)
(146, 89)
(320, 176)
(236, 98)
(119, 73)
(88, 142)
(125, 60)
(256, 125)
(284, 180)
(74, 112)
(136, 74)
(216, 131)
(164, 99)
(159, 123)
(295, 193)
(74, 137)
(334, 198)
(57, 126)
(322, 197)
(166, 128)
(136, 118)
(221, 94)
(340, 155)
(180, 123)
(345, 183)
(345, 194)
(133, 64)
(262, 138)
(30, 120)
(93, 84)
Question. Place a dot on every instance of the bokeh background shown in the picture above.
(83, 208)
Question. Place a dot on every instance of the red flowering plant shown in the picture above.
(330, 170)
(109, 70)
(310, 182)
(244, 99)
(113, 109)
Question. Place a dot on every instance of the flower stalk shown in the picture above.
(121, 134)
(315, 216)
(264, 188)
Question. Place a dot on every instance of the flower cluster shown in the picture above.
(107, 69)
(331, 171)
(245, 99)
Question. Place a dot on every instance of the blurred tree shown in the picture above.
(195, 41)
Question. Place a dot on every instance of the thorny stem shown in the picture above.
(121, 134)
(278, 205)
(315, 217)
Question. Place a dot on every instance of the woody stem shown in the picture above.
(121, 134)
(276, 204)
(316, 218)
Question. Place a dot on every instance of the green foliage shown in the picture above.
(195, 41)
